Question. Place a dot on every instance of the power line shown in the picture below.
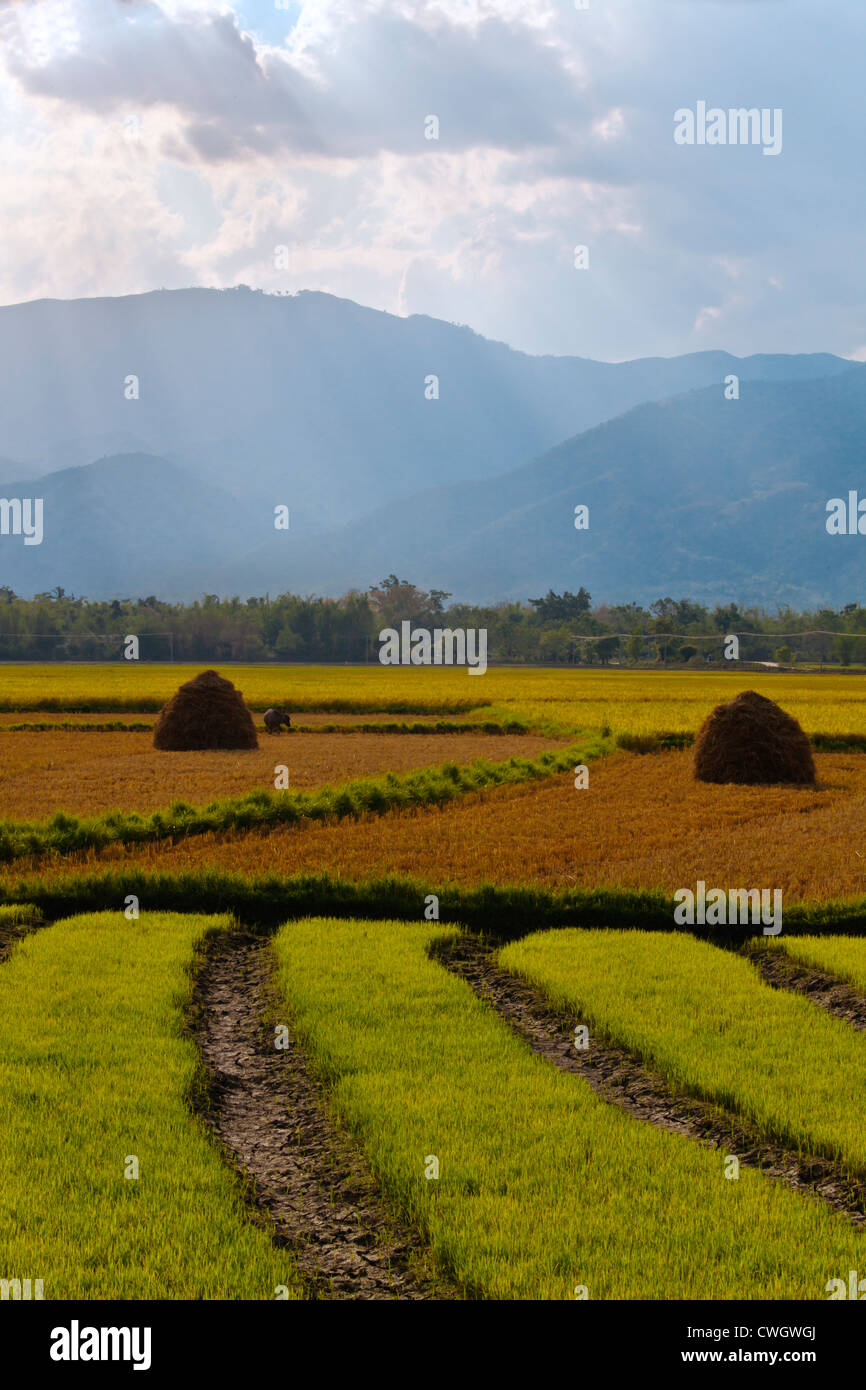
(712, 636)
(574, 636)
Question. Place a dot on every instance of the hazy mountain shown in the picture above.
(249, 400)
(128, 526)
(695, 496)
(309, 400)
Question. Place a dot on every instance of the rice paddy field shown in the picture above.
(420, 1022)
(110, 1190)
(87, 773)
(645, 825)
(635, 702)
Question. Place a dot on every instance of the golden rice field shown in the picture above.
(628, 701)
(87, 773)
(643, 823)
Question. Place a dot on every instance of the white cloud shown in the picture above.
(707, 316)
(555, 128)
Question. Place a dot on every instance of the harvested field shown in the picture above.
(85, 773)
(643, 823)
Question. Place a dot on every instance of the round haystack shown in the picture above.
(207, 712)
(751, 740)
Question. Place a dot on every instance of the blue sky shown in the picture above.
(148, 144)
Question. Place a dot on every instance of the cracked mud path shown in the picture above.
(305, 1174)
(14, 932)
(621, 1079)
(822, 989)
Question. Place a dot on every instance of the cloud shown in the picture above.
(364, 93)
(707, 315)
(146, 144)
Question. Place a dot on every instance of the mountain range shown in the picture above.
(161, 431)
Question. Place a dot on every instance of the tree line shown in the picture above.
(566, 629)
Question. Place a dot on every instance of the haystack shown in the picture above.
(752, 740)
(207, 712)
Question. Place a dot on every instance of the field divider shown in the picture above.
(424, 787)
(665, 741)
(113, 726)
(508, 912)
(152, 704)
(619, 1077)
(821, 987)
(441, 726)
(300, 1169)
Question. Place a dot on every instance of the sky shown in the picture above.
(149, 145)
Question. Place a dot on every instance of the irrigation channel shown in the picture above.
(621, 1079)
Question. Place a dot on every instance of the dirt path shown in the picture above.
(305, 1174)
(13, 932)
(827, 991)
(619, 1078)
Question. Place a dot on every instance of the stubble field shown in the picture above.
(87, 773)
(645, 825)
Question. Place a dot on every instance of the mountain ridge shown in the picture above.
(248, 401)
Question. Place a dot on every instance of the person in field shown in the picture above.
(275, 719)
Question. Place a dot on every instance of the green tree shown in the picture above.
(562, 607)
(396, 600)
(605, 648)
